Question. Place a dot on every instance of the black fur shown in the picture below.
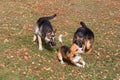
(45, 24)
(83, 32)
(65, 49)
(44, 32)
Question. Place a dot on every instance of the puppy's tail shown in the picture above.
(41, 20)
(60, 39)
(83, 24)
(50, 17)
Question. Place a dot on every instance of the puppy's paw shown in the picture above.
(33, 41)
(83, 66)
(62, 62)
(40, 48)
(79, 65)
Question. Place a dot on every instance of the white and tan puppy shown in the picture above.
(70, 53)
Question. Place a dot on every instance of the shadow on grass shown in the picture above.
(68, 62)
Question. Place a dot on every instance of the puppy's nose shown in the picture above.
(82, 49)
(54, 43)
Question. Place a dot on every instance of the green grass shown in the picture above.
(20, 59)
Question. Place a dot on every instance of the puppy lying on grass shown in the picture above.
(71, 54)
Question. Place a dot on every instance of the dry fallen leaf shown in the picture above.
(62, 78)
(47, 69)
(6, 40)
(26, 57)
(2, 65)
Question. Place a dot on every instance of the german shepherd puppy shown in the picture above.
(44, 31)
(84, 37)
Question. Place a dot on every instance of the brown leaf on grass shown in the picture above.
(1, 35)
(116, 54)
(41, 79)
(62, 78)
(26, 56)
(66, 33)
(47, 69)
(33, 62)
(2, 65)
(107, 56)
(6, 41)
(66, 22)
(29, 29)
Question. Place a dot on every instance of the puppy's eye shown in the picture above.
(52, 36)
(76, 49)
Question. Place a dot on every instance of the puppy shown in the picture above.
(84, 37)
(44, 31)
(71, 54)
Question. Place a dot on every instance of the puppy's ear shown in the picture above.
(48, 33)
(78, 38)
(55, 30)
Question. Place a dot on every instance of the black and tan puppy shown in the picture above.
(84, 37)
(44, 31)
(71, 54)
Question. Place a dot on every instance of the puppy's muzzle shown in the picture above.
(81, 50)
(51, 41)
(52, 44)
(79, 43)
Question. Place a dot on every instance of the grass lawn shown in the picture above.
(20, 59)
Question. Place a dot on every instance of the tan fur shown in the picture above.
(89, 46)
(74, 50)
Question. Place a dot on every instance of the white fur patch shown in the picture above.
(83, 63)
(34, 38)
(40, 42)
(81, 50)
(46, 39)
(77, 58)
(60, 38)
(36, 30)
(79, 65)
